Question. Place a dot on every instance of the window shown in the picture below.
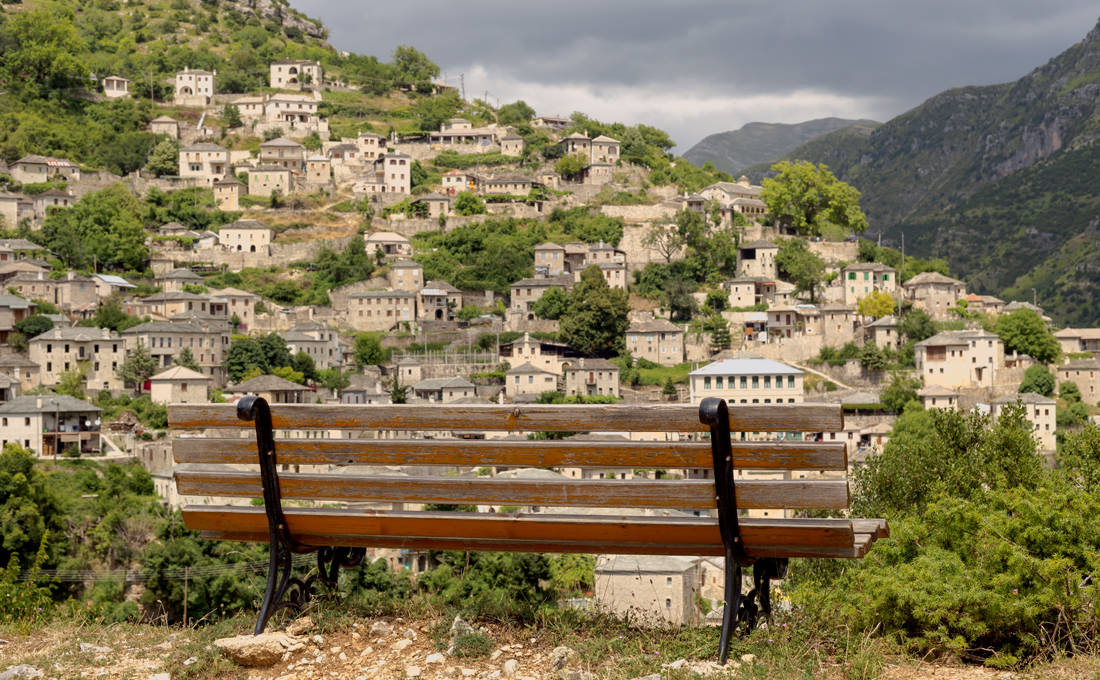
(668, 603)
(718, 382)
(790, 381)
(744, 382)
(706, 382)
(755, 382)
(767, 382)
(668, 580)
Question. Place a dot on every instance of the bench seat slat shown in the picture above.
(782, 455)
(534, 533)
(682, 494)
(529, 418)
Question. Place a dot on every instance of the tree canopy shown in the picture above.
(104, 228)
(805, 197)
(41, 54)
(1024, 331)
(595, 320)
(799, 264)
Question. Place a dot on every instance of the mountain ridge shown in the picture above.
(734, 150)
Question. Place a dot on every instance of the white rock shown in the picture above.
(191, 660)
(468, 672)
(495, 655)
(410, 634)
(258, 650)
(299, 626)
(317, 640)
(365, 652)
(343, 657)
(380, 628)
(562, 656)
(678, 663)
(412, 671)
(354, 635)
(494, 675)
(21, 672)
(160, 676)
(460, 627)
(401, 644)
(510, 668)
(89, 648)
(748, 658)
(434, 658)
(651, 676)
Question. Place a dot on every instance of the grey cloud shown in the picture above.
(895, 52)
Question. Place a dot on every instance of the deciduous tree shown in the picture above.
(138, 367)
(806, 196)
(877, 303)
(796, 263)
(595, 321)
(1025, 331)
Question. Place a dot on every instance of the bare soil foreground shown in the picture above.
(391, 648)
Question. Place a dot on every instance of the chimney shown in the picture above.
(38, 402)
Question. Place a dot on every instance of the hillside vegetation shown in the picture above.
(996, 178)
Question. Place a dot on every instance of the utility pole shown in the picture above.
(462, 84)
(186, 574)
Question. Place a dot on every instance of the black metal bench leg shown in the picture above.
(732, 607)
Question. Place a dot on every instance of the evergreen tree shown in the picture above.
(595, 321)
(186, 359)
(138, 367)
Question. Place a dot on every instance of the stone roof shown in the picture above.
(1084, 364)
(268, 383)
(747, 367)
(203, 146)
(282, 142)
(527, 368)
(406, 264)
(442, 285)
(168, 327)
(15, 302)
(163, 119)
(16, 361)
(549, 245)
(47, 403)
(888, 321)
(936, 391)
(247, 224)
(605, 139)
(927, 278)
(591, 363)
(954, 338)
(659, 564)
(383, 294)
(441, 383)
(762, 243)
(561, 281)
(77, 334)
(181, 274)
(654, 326)
(868, 267)
(180, 373)
(1023, 397)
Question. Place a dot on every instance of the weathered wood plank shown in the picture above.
(519, 418)
(530, 533)
(686, 494)
(474, 453)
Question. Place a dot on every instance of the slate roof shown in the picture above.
(268, 383)
(747, 367)
(50, 403)
(180, 373)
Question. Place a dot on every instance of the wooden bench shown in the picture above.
(340, 536)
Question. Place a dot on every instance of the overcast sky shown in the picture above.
(695, 67)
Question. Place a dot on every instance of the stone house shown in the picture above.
(107, 285)
(390, 243)
(165, 125)
(984, 304)
(934, 293)
(49, 424)
(510, 183)
(204, 161)
(64, 349)
(115, 87)
(47, 202)
(577, 143)
(227, 194)
(862, 278)
(20, 368)
(556, 123)
(293, 110)
(749, 291)
(550, 258)
(371, 145)
(605, 150)
(318, 171)
(884, 332)
(747, 381)
(438, 300)
(179, 385)
(250, 108)
(239, 303)
(33, 285)
(969, 358)
(14, 249)
(320, 342)
(1040, 411)
(364, 389)
(656, 590)
(530, 381)
(178, 304)
(438, 205)
(32, 169)
(165, 340)
(13, 309)
(391, 174)
(73, 291)
(246, 236)
(935, 396)
(589, 377)
(406, 275)
(459, 131)
(457, 181)
(512, 145)
(757, 259)
(839, 324)
(1079, 340)
(526, 292)
(173, 281)
(1085, 374)
(657, 340)
(444, 390)
(269, 179)
(547, 355)
(194, 88)
(275, 390)
(296, 74)
(613, 272)
(283, 153)
(598, 173)
(381, 310)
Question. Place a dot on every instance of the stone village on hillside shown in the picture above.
(777, 334)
